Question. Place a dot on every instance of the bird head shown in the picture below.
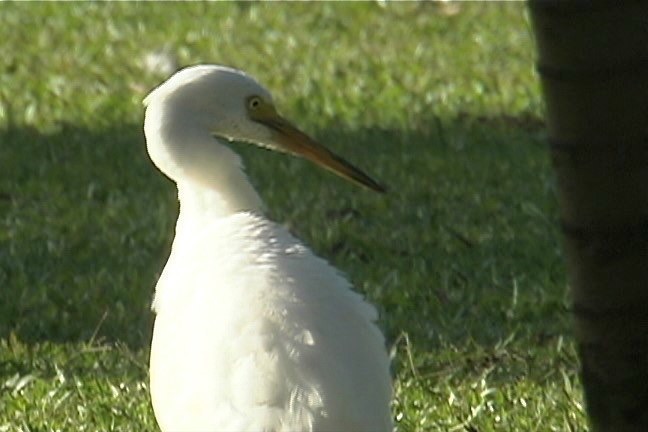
(231, 105)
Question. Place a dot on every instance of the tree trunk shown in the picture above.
(593, 64)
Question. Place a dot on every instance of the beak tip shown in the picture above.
(380, 188)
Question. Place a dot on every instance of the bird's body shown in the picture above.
(253, 332)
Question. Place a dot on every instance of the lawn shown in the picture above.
(462, 256)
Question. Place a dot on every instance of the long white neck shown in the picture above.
(200, 203)
(210, 178)
(214, 189)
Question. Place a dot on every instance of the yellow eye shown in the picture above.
(254, 103)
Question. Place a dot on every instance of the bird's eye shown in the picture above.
(254, 102)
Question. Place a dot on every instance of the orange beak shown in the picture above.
(290, 139)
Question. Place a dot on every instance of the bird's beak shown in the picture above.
(290, 139)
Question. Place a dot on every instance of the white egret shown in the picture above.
(253, 332)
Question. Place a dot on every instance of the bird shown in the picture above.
(252, 331)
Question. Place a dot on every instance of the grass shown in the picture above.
(462, 257)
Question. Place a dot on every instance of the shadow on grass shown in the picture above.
(81, 241)
(463, 249)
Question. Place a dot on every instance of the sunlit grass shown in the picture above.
(462, 256)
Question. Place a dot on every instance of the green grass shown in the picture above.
(462, 257)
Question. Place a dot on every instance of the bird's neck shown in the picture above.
(209, 175)
(201, 204)
(215, 187)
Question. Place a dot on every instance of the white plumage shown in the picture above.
(253, 332)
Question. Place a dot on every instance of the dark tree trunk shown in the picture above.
(593, 64)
